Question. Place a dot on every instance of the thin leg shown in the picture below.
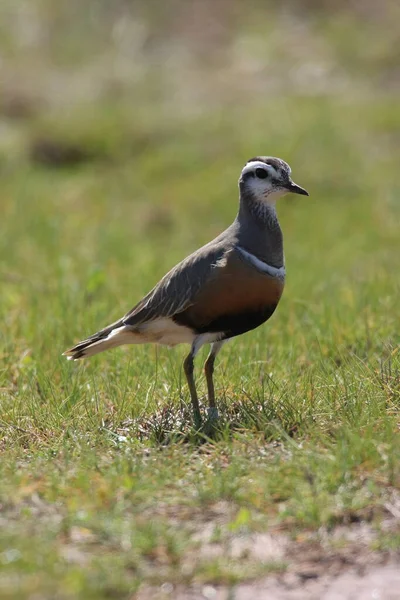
(188, 366)
(209, 370)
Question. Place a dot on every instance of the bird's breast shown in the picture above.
(238, 297)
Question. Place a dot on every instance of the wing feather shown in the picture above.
(179, 288)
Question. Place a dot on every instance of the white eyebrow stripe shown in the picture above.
(258, 164)
(261, 265)
(254, 164)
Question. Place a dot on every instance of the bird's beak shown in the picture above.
(296, 189)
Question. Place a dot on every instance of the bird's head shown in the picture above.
(266, 179)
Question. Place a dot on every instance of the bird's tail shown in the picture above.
(110, 337)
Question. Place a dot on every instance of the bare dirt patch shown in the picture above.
(337, 565)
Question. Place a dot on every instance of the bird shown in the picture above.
(230, 286)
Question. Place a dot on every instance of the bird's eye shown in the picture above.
(261, 173)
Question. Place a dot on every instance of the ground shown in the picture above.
(123, 131)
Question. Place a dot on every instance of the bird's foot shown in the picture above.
(210, 426)
(207, 427)
(212, 413)
(198, 423)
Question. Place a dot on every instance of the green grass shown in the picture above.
(104, 484)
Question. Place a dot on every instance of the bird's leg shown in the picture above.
(188, 366)
(209, 370)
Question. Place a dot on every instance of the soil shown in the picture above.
(338, 565)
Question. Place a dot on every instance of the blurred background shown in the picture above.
(123, 129)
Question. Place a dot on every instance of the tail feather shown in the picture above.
(110, 337)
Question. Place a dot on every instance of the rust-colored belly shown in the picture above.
(235, 299)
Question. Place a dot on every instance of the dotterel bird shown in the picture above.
(229, 286)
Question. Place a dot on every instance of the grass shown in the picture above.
(104, 485)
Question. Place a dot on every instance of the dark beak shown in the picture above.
(296, 189)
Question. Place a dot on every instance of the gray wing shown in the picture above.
(178, 289)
